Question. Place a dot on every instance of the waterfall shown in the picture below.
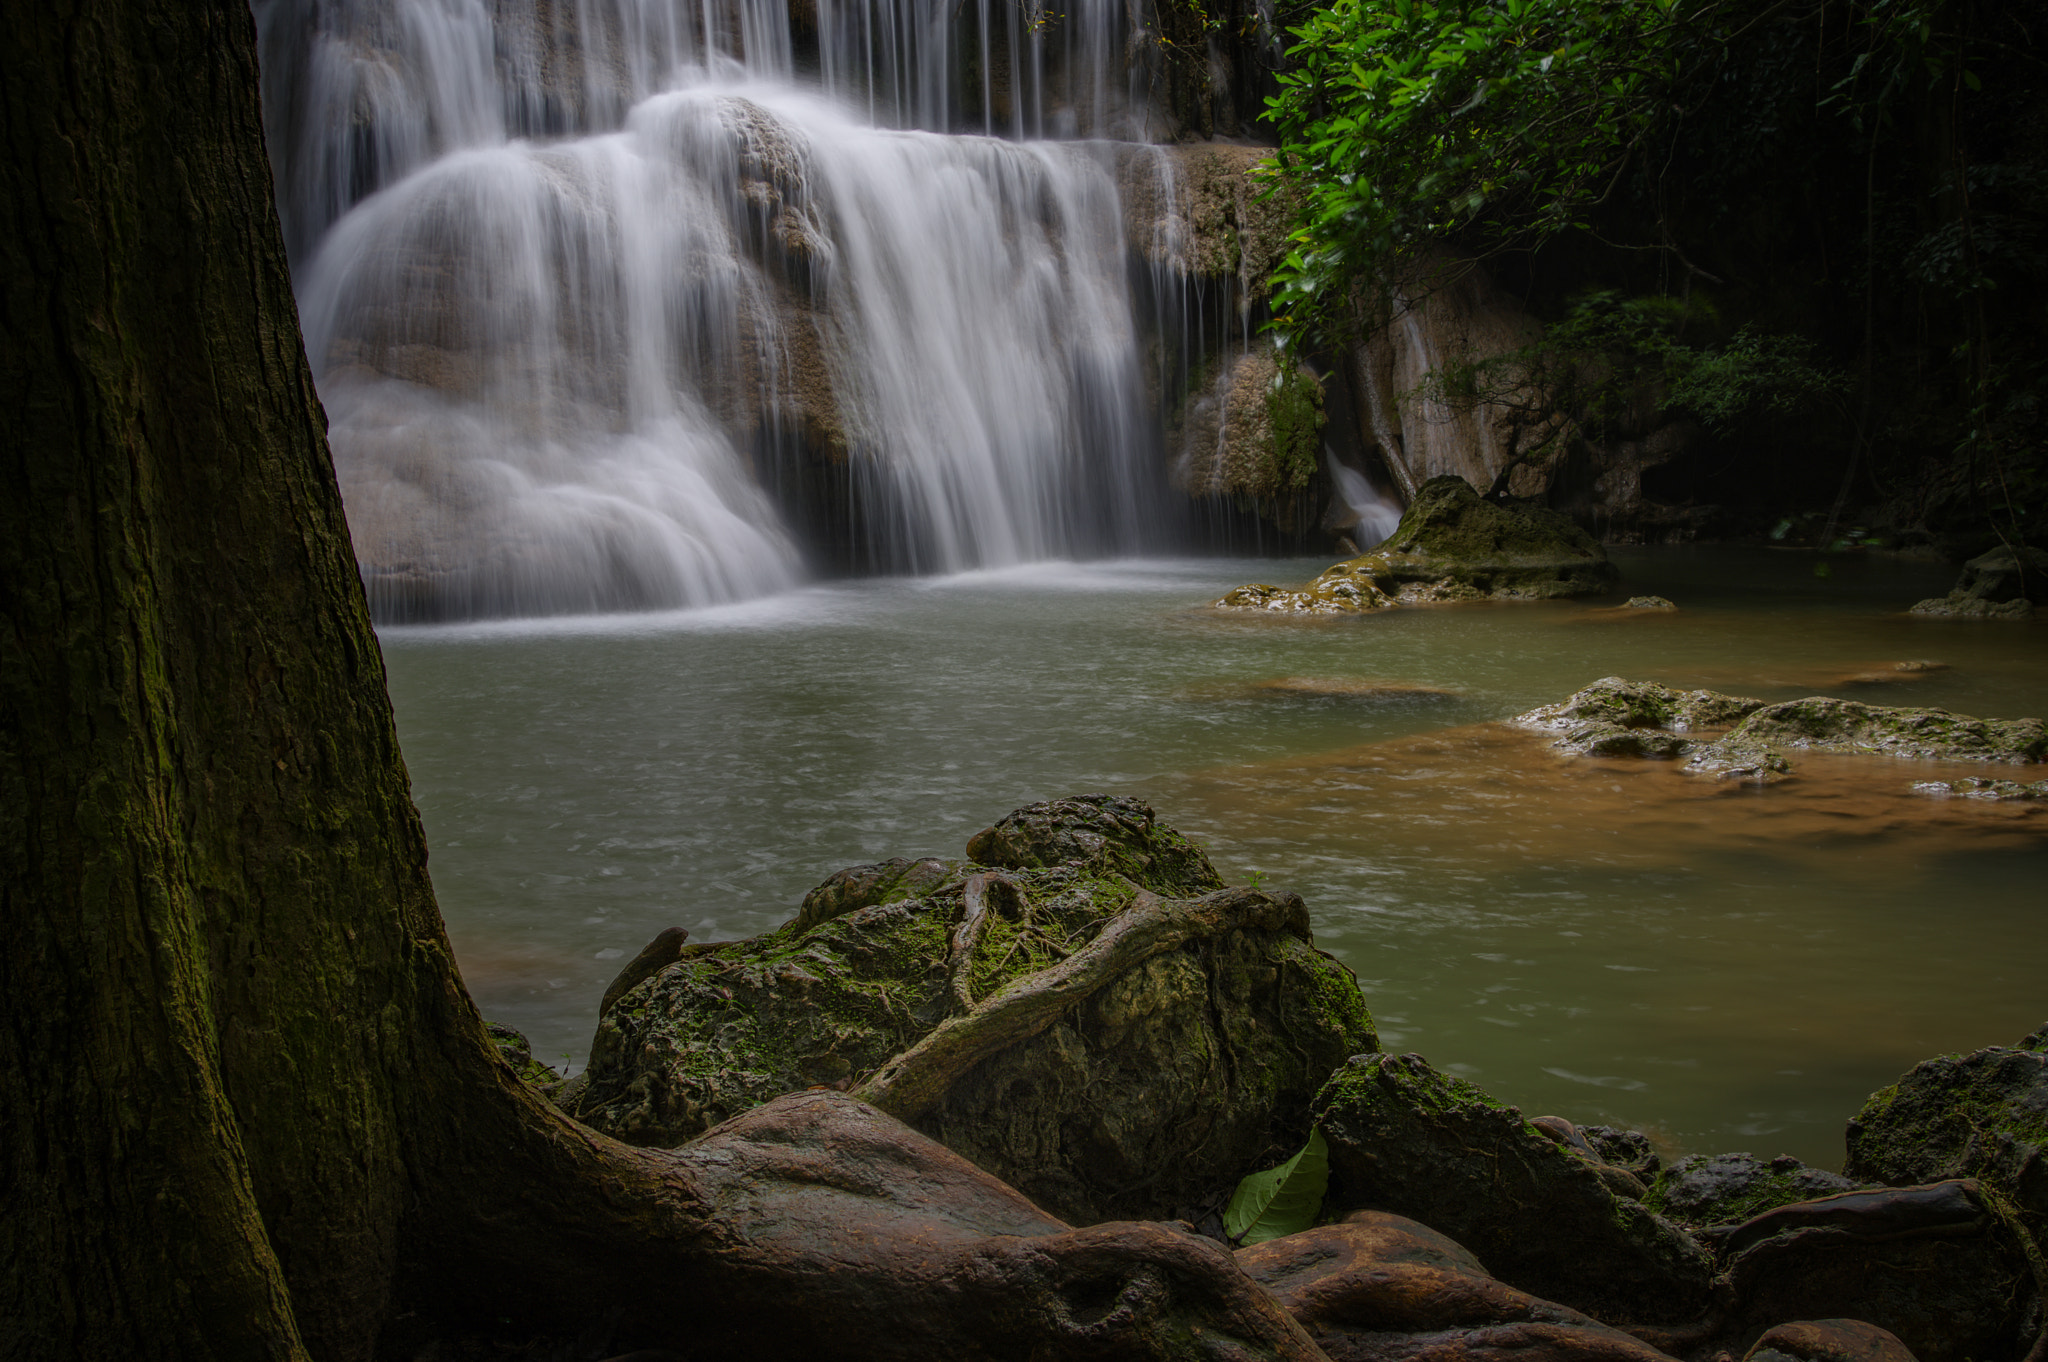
(611, 308)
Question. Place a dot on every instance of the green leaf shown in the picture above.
(1283, 1200)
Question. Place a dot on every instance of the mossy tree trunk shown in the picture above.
(239, 1064)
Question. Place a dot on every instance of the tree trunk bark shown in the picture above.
(249, 1111)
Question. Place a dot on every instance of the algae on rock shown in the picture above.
(1615, 717)
(1453, 545)
(1981, 1115)
(1406, 1138)
(1726, 1189)
(1144, 1094)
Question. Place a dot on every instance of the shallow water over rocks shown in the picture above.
(1727, 967)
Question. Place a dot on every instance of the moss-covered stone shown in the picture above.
(1146, 1099)
(1454, 545)
(1615, 717)
(1405, 1138)
(1617, 702)
(1726, 1189)
(515, 1050)
(1828, 725)
(1982, 1115)
(1104, 835)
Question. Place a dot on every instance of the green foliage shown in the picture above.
(1280, 1201)
(1406, 121)
(1294, 414)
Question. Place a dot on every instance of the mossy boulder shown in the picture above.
(1726, 1189)
(1615, 717)
(1823, 724)
(1408, 1139)
(2006, 583)
(1620, 703)
(1982, 1115)
(1454, 545)
(1143, 1094)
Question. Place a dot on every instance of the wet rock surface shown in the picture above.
(1452, 545)
(1616, 717)
(1145, 1093)
(1722, 1189)
(1408, 1139)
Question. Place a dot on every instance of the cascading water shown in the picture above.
(585, 281)
(1373, 516)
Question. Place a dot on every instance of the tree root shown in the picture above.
(913, 1082)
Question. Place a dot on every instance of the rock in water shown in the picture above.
(1452, 545)
(1827, 725)
(1614, 717)
(2006, 583)
(1145, 1096)
(1423, 1144)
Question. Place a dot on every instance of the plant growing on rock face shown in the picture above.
(1407, 122)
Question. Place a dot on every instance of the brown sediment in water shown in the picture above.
(1366, 689)
(1806, 680)
(1497, 797)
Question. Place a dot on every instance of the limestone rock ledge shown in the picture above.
(1452, 545)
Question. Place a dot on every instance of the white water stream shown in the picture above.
(597, 291)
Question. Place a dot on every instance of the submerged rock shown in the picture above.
(1144, 1094)
(1977, 787)
(1724, 1189)
(1407, 1139)
(1982, 1115)
(1452, 545)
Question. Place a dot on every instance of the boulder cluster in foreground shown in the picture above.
(1080, 1011)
